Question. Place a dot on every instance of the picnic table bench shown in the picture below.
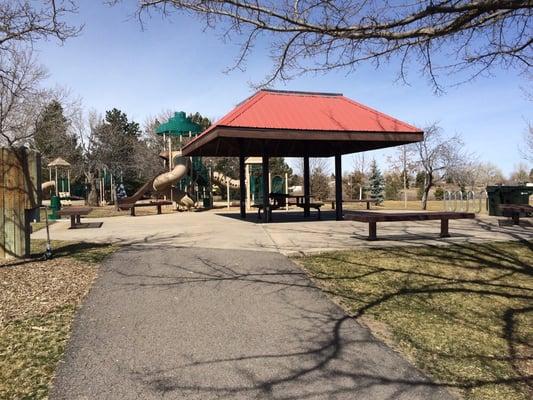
(367, 201)
(514, 211)
(372, 218)
(75, 214)
(280, 200)
(133, 206)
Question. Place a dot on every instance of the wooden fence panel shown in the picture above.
(20, 193)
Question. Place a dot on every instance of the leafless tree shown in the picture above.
(437, 155)
(22, 22)
(25, 21)
(520, 174)
(526, 147)
(21, 97)
(360, 165)
(85, 130)
(441, 36)
(403, 164)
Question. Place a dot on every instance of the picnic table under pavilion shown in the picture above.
(273, 123)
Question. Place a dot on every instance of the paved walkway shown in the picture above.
(225, 230)
(196, 323)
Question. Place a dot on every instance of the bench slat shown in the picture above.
(363, 216)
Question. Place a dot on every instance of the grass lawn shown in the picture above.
(38, 300)
(461, 313)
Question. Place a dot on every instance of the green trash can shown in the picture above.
(55, 206)
(208, 202)
(507, 195)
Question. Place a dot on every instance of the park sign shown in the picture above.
(178, 125)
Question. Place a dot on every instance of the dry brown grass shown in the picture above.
(462, 313)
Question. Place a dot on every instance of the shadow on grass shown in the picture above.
(81, 251)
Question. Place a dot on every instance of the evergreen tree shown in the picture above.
(278, 166)
(199, 119)
(376, 183)
(393, 185)
(53, 138)
(118, 144)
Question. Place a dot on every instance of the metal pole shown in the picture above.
(404, 177)
(57, 187)
(307, 185)
(68, 181)
(242, 186)
(338, 187)
(227, 191)
(248, 188)
(286, 191)
(266, 204)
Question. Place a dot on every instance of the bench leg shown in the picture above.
(319, 216)
(132, 211)
(372, 231)
(78, 219)
(444, 233)
(368, 205)
(332, 205)
(159, 208)
(72, 221)
(516, 218)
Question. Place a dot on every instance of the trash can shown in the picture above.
(208, 202)
(55, 206)
(507, 195)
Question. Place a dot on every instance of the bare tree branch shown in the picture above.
(442, 36)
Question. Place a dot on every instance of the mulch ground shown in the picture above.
(37, 287)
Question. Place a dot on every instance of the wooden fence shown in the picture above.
(20, 197)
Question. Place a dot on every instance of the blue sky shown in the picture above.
(175, 64)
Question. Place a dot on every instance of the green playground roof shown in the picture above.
(178, 125)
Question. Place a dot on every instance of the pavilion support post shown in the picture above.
(338, 187)
(242, 186)
(266, 204)
(307, 186)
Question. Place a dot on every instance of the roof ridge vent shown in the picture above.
(301, 92)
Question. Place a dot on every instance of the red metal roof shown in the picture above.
(272, 109)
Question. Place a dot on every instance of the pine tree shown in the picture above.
(376, 183)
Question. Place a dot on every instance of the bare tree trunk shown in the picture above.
(92, 196)
(428, 184)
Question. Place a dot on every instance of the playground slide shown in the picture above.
(222, 179)
(48, 185)
(181, 165)
(163, 183)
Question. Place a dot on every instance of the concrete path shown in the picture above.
(198, 323)
(225, 230)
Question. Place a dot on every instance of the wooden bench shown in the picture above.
(514, 210)
(133, 206)
(314, 204)
(271, 207)
(374, 217)
(75, 214)
(367, 201)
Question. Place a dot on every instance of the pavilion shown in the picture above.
(274, 123)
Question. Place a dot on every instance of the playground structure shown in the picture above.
(59, 182)
(253, 181)
(464, 201)
(20, 197)
(186, 180)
